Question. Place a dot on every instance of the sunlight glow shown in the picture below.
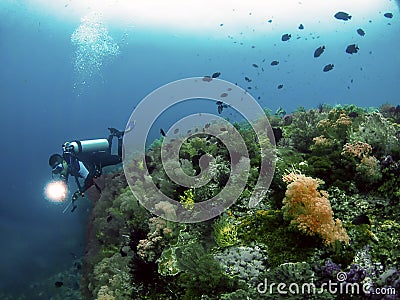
(197, 16)
(56, 191)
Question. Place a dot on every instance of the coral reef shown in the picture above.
(333, 207)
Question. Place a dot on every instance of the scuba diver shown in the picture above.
(85, 160)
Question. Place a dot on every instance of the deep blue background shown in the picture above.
(43, 104)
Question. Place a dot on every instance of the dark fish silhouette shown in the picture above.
(221, 105)
(162, 132)
(388, 15)
(328, 67)
(223, 95)
(280, 86)
(351, 49)
(274, 63)
(255, 65)
(269, 21)
(342, 16)
(176, 130)
(278, 134)
(319, 51)
(301, 27)
(353, 114)
(216, 75)
(207, 125)
(360, 32)
(286, 37)
(59, 284)
(207, 78)
(247, 79)
(361, 219)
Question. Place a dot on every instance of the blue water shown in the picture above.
(43, 103)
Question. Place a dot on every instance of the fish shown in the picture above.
(278, 134)
(269, 21)
(353, 114)
(328, 67)
(247, 79)
(342, 16)
(388, 15)
(162, 132)
(220, 109)
(255, 65)
(216, 75)
(280, 86)
(301, 26)
(176, 130)
(207, 125)
(223, 95)
(286, 37)
(361, 219)
(59, 284)
(249, 87)
(274, 63)
(360, 32)
(207, 78)
(319, 51)
(351, 49)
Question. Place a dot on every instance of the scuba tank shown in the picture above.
(86, 146)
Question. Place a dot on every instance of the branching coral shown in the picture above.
(310, 211)
(150, 249)
(357, 149)
(367, 168)
(187, 199)
(336, 126)
(225, 232)
(112, 278)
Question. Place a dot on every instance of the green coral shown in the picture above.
(225, 231)
(202, 275)
(380, 133)
(388, 248)
(187, 199)
(113, 272)
(304, 129)
(284, 244)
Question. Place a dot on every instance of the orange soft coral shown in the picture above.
(310, 211)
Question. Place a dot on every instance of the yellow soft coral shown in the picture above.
(310, 211)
